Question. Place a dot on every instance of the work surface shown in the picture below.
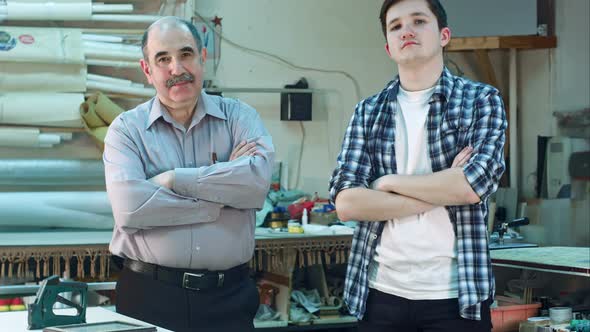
(16, 321)
(565, 260)
(77, 237)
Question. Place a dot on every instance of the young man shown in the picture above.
(185, 173)
(418, 163)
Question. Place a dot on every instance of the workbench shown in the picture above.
(16, 321)
(563, 260)
(52, 250)
(276, 254)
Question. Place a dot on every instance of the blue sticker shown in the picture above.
(7, 42)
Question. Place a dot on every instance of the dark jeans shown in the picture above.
(386, 312)
(231, 308)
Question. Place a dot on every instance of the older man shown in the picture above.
(185, 173)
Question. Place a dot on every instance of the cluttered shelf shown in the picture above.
(501, 42)
(284, 262)
(50, 251)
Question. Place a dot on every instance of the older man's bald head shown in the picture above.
(167, 23)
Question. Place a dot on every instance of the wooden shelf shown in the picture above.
(500, 42)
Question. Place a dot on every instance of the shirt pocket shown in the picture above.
(456, 128)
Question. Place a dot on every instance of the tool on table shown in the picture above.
(505, 225)
(40, 312)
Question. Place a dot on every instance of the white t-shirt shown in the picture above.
(417, 255)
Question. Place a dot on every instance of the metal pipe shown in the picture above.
(512, 121)
(111, 46)
(125, 18)
(111, 54)
(112, 63)
(119, 8)
(102, 38)
(142, 92)
(108, 79)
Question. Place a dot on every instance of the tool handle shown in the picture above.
(519, 222)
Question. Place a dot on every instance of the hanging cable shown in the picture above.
(280, 59)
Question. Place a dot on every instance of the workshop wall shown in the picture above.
(330, 34)
(345, 35)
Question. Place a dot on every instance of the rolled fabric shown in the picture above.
(41, 109)
(56, 209)
(43, 45)
(27, 137)
(98, 112)
(42, 77)
(51, 172)
(49, 10)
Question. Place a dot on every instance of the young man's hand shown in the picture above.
(387, 182)
(462, 157)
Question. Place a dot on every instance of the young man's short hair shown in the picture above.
(434, 5)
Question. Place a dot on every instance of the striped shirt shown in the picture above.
(207, 220)
(462, 113)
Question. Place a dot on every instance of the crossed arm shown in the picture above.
(397, 196)
(167, 179)
(472, 177)
(184, 195)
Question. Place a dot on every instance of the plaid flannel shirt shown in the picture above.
(462, 113)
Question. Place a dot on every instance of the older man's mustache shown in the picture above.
(185, 77)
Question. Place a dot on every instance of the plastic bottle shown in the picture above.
(304, 217)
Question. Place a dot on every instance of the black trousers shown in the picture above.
(231, 308)
(386, 312)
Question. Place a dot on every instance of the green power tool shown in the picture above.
(41, 311)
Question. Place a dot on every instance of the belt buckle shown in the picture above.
(185, 280)
(220, 279)
(186, 275)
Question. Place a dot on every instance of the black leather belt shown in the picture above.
(190, 279)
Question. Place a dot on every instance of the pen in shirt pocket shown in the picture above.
(213, 158)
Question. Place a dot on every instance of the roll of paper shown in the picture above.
(51, 172)
(49, 10)
(39, 77)
(42, 109)
(56, 209)
(44, 45)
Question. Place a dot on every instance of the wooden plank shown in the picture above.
(528, 42)
(499, 42)
(485, 65)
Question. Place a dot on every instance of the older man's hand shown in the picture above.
(165, 179)
(243, 149)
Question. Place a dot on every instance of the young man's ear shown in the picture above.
(145, 68)
(387, 50)
(445, 36)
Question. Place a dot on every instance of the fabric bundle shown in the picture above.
(98, 112)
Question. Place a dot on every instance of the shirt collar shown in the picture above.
(442, 88)
(205, 105)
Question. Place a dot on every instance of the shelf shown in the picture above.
(259, 90)
(501, 42)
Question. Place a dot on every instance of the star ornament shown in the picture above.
(217, 21)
